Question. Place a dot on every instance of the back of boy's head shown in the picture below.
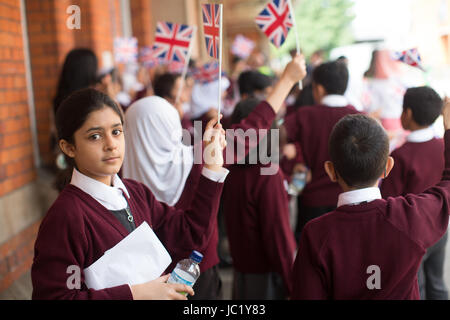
(359, 149)
(425, 104)
(251, 81)
(333, 76)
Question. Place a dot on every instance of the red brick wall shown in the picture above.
(141, 16)
(16, 150)
(47, 41)
(16, 255)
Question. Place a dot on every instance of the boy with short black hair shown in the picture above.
(369, 248)
(309, 128)
(418, 165)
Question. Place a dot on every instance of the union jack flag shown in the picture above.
(148, 58)
(211, 27)
(242, 46)
(209, 72)
(410, 57)
(125, 50)
(172, 41)
(275, 21)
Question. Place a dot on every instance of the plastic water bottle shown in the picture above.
(187, 271)
(298, 183)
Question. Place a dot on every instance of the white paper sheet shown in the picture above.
(140, 257)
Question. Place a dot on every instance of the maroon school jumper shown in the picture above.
(256, 212)
(337, 249)
(260, 118)
(311, 128)
(77, 230)
(417, 166)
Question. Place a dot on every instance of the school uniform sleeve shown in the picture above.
(190, 229)
(292, 126)
(278, 239)
(308, 280)
(260, 118)
(424, 217)
(395, 183)
(62, 243)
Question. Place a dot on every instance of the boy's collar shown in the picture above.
(357, 196)
(422, 135)
(334, 100)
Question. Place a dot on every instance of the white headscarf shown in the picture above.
(154, 152)
(205, 96)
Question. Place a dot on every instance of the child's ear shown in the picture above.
(329, 169)
(389, 165)
(67, 148)
(406, 118)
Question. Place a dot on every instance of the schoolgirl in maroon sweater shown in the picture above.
(98, 209)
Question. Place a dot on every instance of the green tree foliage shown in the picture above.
(321, 24)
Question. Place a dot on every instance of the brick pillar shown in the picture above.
(141, 19)
(16, 149)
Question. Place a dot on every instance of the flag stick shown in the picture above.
(297, 42)
(220, 62)
(186, 65)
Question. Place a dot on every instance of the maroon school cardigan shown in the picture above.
(260, 118)
(311, 128)
(77, 230)
(417, 166)
(256, 212)
(338, 250)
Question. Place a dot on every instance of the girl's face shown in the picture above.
(99, 145)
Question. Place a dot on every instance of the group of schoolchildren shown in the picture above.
(372, 225)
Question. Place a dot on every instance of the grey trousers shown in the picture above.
(208, 286)
(431, 272)
(258, 286)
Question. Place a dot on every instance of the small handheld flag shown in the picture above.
(275, 21)
(172, 41)
(125, 50)
(410, 57)
(211, 27)
(209, 72)
(148, 58)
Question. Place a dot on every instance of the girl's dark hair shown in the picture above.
(71, 115)
(79, 71)
(359, 149)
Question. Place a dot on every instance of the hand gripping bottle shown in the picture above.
(187, 271)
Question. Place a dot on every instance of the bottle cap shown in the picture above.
(196, 256)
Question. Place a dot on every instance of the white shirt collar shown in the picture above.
(422, 135)
(334, 100)
(110, 197)
(358, 196)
